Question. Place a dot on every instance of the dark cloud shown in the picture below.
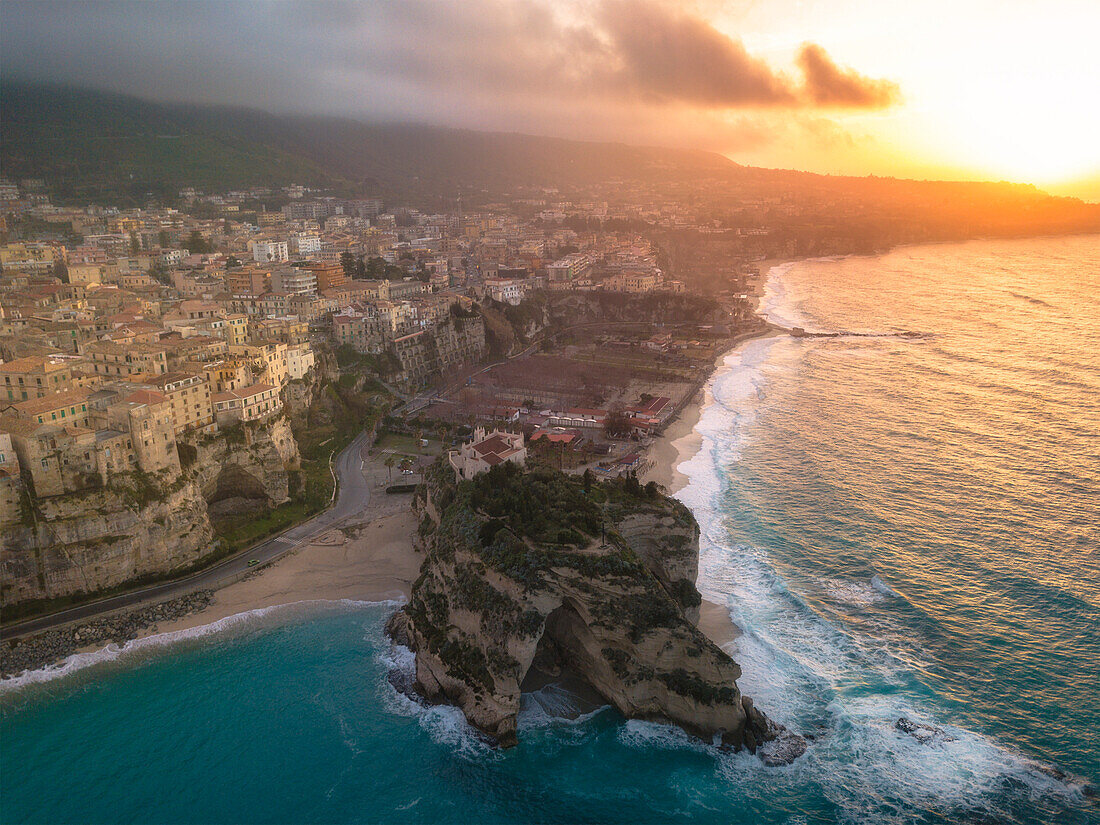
(676, 57)
(602, 69)
(829, 85)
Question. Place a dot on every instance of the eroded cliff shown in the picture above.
(139, 526)
(91, 541)
(542, 571)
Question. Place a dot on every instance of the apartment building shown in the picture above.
(299, 361)
(359, 327)
(506, 290)
(222, 375)
(34, 376)
(293, 280)
(268, 361)
(266, 251)
(66, 407)
(246, 404)
(189, 397)
(145, 418)
(329, 276)
(247, 281)
(125, 360)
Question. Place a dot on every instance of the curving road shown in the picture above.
(353, 495)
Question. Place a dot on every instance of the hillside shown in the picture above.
(90, 144)
(101, 147)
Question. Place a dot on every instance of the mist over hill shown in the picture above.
(94, 146)
(88, 143)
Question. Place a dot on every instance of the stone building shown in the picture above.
(486, 451)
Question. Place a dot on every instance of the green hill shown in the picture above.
(92, 145)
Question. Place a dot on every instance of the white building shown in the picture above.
(507, 290)
(307, 244)
(299, 361)
(486, 452)
(265, 252)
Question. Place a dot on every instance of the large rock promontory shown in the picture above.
(539, 571)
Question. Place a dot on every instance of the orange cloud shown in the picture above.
(830, 86)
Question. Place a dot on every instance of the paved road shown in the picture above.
(352, 497)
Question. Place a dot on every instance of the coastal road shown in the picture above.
(353, 496)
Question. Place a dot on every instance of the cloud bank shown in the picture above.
(636, 70)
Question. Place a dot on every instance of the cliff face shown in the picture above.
(144, 525)
(245, 468)
(528, 571)
(98, 539)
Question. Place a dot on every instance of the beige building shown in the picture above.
(68, 407)
(189, 396)
(222, 375)
(486, 451)
(268, 361)
(124, 360)
(34, 376)
(246, 404)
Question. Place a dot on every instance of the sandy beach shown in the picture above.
(375, 560)
(372, 561)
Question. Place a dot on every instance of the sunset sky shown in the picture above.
(990, 89)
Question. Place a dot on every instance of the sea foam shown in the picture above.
(811, 673)
(115, 652)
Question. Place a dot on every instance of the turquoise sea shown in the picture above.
(902, 526)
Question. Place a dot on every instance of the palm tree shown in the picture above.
(391, 460)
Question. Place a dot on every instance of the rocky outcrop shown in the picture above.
(91, 541)
(245, 468)
(141, 526)
(530, 572)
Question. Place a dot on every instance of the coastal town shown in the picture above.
(621, 412)
(160, 349)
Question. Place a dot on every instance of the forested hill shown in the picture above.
(90, 145)
(100, 147)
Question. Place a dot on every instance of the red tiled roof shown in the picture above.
(492, 444)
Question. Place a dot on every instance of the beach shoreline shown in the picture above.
(680, 443)
(375, 559)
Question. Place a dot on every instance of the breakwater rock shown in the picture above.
(52, 646)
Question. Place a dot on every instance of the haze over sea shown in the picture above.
(902, 526)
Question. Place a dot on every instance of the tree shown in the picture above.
(390, 461)
(616, 424)
(232, 261)
(162, 239)
(347, 261)
(196, 244)
(360, 268)
(135, 244)
(587, 480)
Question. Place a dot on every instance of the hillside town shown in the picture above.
(131, 340)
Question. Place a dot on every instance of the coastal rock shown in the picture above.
(925, 734)
(245, 467)
(51, 646)
(783, 749)
(529, 573)
(139, 525)
(90, 541)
